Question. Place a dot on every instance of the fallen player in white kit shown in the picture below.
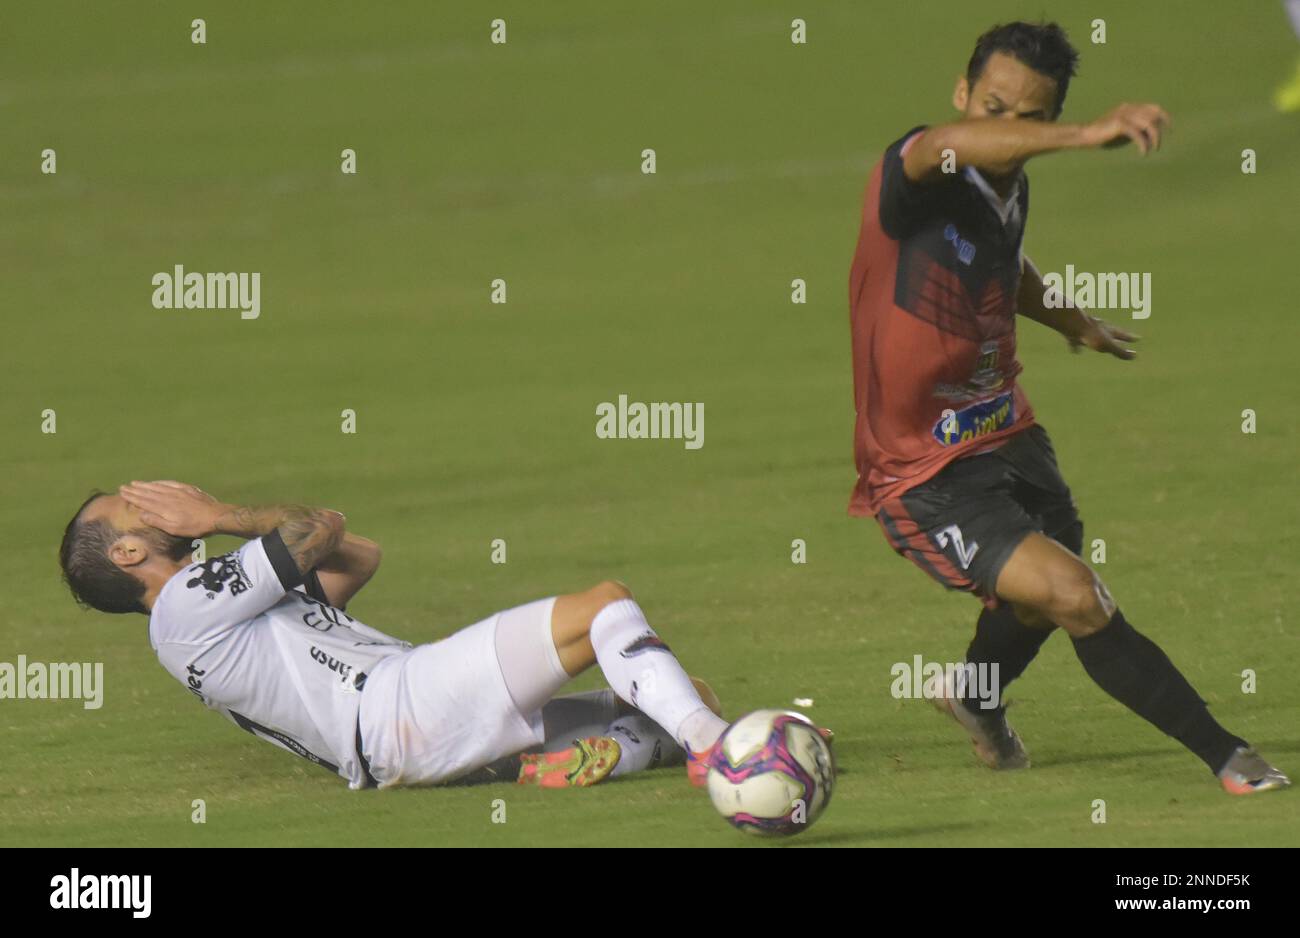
(260, 635)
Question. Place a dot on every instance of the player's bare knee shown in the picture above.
(601, 595)
(610, 591)
(1077, 603)
(1031, 617)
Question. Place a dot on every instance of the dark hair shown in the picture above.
(91, 575)
(1044, 47)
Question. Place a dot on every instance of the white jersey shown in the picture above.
(242, 634)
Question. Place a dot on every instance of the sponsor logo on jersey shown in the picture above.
(647, 642)
(334, 664)
(322, 617)
(216, 574)
(193, 680)
(284, 739)
(975, 421)
(965, 249)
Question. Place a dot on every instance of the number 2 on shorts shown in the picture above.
(964, 555)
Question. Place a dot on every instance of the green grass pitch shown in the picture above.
(476, 421)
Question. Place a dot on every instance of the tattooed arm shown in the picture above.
(310, 534)
(315, 537)
(344, 562)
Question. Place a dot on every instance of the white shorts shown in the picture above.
(439, 711)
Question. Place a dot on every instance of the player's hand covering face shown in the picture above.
(175, 507)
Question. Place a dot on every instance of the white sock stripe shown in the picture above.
(656, 684)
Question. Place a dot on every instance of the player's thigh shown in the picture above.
(1042, 575)
(443, 709)
(958, 528)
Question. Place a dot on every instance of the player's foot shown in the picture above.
(586, 762)
(1247, 773)
(1287, 97)
(997, 745)
(697, 763)
(697, 766)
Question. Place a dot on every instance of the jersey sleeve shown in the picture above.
(904, 204)
(209, 598)
(311, 585)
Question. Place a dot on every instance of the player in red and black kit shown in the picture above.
(951, 462)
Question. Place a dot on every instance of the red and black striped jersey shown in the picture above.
(932, 296)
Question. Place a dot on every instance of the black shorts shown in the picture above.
(962, 525)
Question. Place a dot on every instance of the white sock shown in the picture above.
(643, 671)
(577, 716)
(645, 744)
(1293, 13)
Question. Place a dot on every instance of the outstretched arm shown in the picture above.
(999, 146)
(1079, 329)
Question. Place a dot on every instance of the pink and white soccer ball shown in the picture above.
(771, 773)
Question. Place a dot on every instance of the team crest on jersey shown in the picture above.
(647, 642)
(986, 377)
(218, 574)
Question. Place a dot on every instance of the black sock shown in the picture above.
(1132, 669)
(1002, 639)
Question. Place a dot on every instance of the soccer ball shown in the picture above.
(771, 773)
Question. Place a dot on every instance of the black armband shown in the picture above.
(282, 562)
